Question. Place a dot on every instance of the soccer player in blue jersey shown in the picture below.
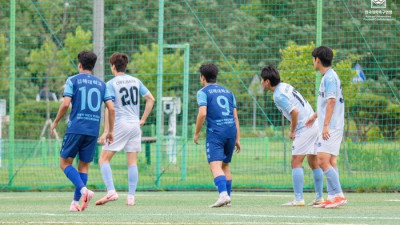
(297, 110)
(86, 93)
(126, 90)
(217, 105)
(330, 114)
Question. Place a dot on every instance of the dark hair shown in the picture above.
(87, 59)
(271, 73)
(210, 72)
(120, 61)
(324, 54)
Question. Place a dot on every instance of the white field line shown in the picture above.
(127, 223)
(216, 214)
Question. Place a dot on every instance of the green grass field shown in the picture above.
(192, 208)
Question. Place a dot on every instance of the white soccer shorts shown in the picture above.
(127, 136)
(332, 145)
(305, 142)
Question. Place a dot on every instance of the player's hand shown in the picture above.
(109, 138)
(325, 133)
(196, 138)
(142, 122)
(292, 135)
(102, 139)
(238, 146)
(310, 121)
(53, 127)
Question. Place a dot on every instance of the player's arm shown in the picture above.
(102, 139)
(237, 143)
(310, 121)
(328, 116)
(294, 114)
(147, 109)
(61, 112)
(110, 118)
(201, 117)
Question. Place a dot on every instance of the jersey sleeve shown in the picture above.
(330, 87)
(201, 98)
(143, 89)
(234, 101)
(69, 88)
(284, 103)
(110, 92)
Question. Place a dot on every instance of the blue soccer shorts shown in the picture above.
(73, 144)
(220, 148)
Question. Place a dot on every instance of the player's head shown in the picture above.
(322, 57)
(270, 77)
(86, 60)
(119, 62)
(208, 73)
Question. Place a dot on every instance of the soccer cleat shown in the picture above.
(74, 207)
(317, 201)
(222, 201)
(323, 205)
(337, 201)
(109, 197)
(228, 204)
(295, 203)
(86, 199)
(130, 200)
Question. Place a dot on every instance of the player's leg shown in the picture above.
(228, 175)
(318, 176)
(298, 179)
(132, 148)
(106, 173)
(220, 182)
(87, 150)
(69, 149)
(229, 148)
(133, 176)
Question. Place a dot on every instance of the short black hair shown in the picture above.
(324, 54)
(210, 72)
(120, 61)
(271, 73)
(87, 59)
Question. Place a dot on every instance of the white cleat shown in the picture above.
(130, 200)
(317, 201)
(295, 203)
(74, 207)
(222, 201)
(109, 197)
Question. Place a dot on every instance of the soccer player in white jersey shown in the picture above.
(330, 114)
(297, 110)
(125, 90)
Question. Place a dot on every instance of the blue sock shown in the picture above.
(298, 176)
(106, 172)
(133, 176)
(318, 182)
(77, 195)
(74, 177)
(332, 179)
(229, 187)
(220, 182)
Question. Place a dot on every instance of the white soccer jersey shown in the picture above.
(287, 98)
(330, 87)
(126, 89)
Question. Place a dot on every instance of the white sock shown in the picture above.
(331, 197)
(77, 202)
(83, 190)
(223, 194)
(340, 195)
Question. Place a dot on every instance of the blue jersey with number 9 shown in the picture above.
(87, 93)
(220, 103)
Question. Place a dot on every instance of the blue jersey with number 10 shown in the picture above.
(87, 93)
(220, 103)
